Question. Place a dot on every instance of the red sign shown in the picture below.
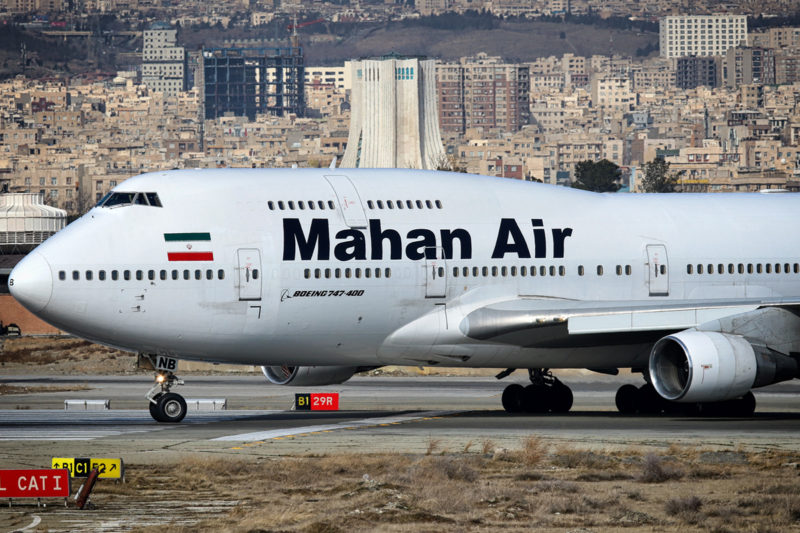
(317, 401)
(34, 483)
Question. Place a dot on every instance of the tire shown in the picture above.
(560, 398)
(171, 408)
(627, 399)
(536, 399)
(650, 402)
(154, 407)
(513, 397)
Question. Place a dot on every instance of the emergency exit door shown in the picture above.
(250, 273)
(435, 274)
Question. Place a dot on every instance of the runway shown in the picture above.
(408, 415)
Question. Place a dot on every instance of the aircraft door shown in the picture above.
(658, 270)
(435, 274)
(349, 201)
(250, 273)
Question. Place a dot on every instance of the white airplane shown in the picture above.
(319, 274)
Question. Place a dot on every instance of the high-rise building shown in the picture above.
(701, 35)
(749, 65)
(394, 122)
(691, 72)
(163, 63)
(483, 92)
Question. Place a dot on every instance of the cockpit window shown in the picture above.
(116, 199)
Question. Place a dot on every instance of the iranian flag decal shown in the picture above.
(191, 246)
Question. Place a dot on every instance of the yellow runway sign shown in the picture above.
(81, 466)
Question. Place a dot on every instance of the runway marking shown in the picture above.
(36, 522)
(278, 434)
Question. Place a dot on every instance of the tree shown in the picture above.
(657, 177)
(602, 176)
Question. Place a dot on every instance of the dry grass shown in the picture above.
(529, 488)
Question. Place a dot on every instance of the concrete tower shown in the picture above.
(394, 121)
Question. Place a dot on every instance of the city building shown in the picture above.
(749, 64)
(252, 81)
(692, 71)
(483, 92)
(701, 35)
(394, 121)
(163, 62)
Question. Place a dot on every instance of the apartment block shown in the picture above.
(701, 35)
(163, 63)
(692, 71)
(749, 64)
(483, 92)
(613, 92)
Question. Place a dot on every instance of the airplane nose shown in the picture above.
(31, 282)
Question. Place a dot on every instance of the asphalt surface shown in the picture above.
(378, 414)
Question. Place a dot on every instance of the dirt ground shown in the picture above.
(478, 488)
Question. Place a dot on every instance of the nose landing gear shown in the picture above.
(545, 394)
(166, 406)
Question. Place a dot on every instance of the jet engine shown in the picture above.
(308, 375)
(707, 366)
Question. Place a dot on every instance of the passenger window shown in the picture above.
(552, 271)
(409, 204)
(523, 271)
(311, 205)
(388, 272)
(151, 275)
(198, 274)
(439, 204)
(367, 272)
(348, 273)
(162, 274)
(599, 270)
(465, 272)
(126, 274)
(101, 275)
(280, 205)
(741, 268)
(759, 268)
(307, 273)
(220, 274)
(689, 269)
(749, 268)
(562, 271)
(419, 204)
(331, 205)
(317, 273)
(475, 272)
(628, 270)
(769, 268)
(485, 271)
(186, 275)
(255, 273)
(62, 275)
(455, 272)
(76, 275)
(699, 269)
(777, 268)
(370, 204)
(114, 275)
(504, 271)
(377, 272)
(786, 268)
(389, 204)
(441, 272)
(88, 275)
(513, 271)
(327, 273)
(533, 271)
(358, 272)
(271, 205)
(797, 268)
(338, 272)
(429, 204)
(321, 204)
(542, 271)
(663, 270)
(494, 272)
(399, 204)
(139, 275)
(209, 274)
(720, 268)
(710, 269)
(301, 205)
(380, 204)
(580, 270)
(730, 268)
(619, 270)
(175, 274)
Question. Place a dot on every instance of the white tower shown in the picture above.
(394, 121)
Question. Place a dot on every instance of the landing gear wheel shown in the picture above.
(154, 406)
(513, 398)
(536, 399)
(627, 399)
(560, 398)
(170, 408)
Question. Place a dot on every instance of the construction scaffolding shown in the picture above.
(251, 81)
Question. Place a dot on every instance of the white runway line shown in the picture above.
(304, 430)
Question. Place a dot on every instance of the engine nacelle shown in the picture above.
(298, 376)
(707, 366)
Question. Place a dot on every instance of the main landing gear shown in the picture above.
(645, 400)
(545, 394)
(166, 406)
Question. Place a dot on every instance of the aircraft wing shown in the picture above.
(531, 322)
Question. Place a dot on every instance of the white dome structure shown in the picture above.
(25, 222)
